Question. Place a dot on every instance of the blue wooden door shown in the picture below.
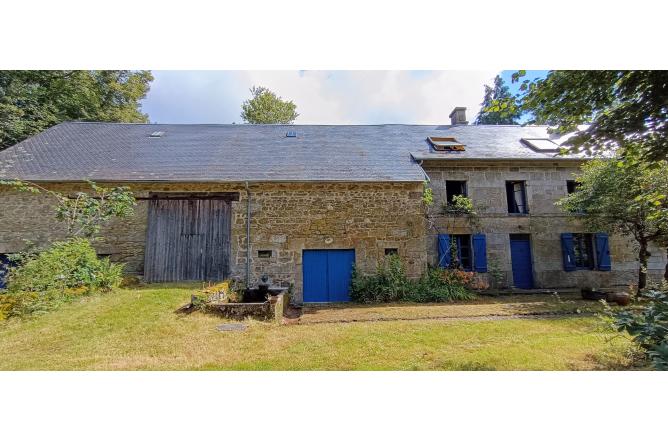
(520, 256)
(327, 274)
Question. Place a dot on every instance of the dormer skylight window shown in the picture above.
(446, 144)
(291, 134)
(541, 145)
(156, 134)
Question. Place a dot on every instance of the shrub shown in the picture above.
(441, 285)
(647, 324)
(65, 271)
(460, 205)
(390, 283)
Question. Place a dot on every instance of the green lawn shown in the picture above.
(138, 330)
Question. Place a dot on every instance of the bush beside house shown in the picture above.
(67, 270)
(40, 281)
(390, 283)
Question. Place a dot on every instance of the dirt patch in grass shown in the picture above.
(502, 306)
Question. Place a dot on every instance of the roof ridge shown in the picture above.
(182, 124)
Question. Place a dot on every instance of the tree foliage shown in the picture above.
(624, 196)
(501, 113)
(620, 108)
(267, 108)
(647, 324)
(34, 100)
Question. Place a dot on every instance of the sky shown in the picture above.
(322, 97)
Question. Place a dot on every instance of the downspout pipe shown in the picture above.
(248, 235)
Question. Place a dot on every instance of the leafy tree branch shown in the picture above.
(84, 213)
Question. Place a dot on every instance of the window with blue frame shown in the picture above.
(462, 244)
(586, 251)
(583, 250)
(463, 251)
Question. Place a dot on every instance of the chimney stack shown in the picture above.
(458, 116)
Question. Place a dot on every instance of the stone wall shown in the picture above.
(545, 184)
(285, 219)
(368, 217)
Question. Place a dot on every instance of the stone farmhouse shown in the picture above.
(302, 203)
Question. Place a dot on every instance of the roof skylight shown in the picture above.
(446, 144)
(541, 145)
(156, 134)
(291, 134)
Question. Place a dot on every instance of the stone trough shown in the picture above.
(264, 302)
(272, 309)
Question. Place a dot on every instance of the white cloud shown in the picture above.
(322, 97)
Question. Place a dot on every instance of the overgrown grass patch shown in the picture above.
(138, 330)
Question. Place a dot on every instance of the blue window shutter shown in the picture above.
(602, 252)
(443, 250)
(568, 251)
(479, 253)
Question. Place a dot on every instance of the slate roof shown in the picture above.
(74, 151)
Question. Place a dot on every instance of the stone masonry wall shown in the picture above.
(545, 184)
(285, 219)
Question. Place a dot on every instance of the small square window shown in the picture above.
(391, 251)
(264, 254)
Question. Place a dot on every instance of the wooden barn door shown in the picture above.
(187, 239)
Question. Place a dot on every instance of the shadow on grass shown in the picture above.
(193, 285)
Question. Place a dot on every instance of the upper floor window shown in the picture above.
(517, 198)
(572, 186)
(454, 188)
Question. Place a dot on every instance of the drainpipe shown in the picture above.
(248, 235)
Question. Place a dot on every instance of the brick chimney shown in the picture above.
(458, 116)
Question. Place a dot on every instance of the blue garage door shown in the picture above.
(520, 256)
(327, 275)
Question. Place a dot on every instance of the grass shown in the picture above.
(502, 306)
(138, 330)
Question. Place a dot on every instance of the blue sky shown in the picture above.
(322, 97)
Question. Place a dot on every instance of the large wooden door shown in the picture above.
(187, 239)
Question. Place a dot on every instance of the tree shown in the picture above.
(498, 93)
(34, 100)
(84, 213)
(621, 108)
(624, 196)
(267, 108)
